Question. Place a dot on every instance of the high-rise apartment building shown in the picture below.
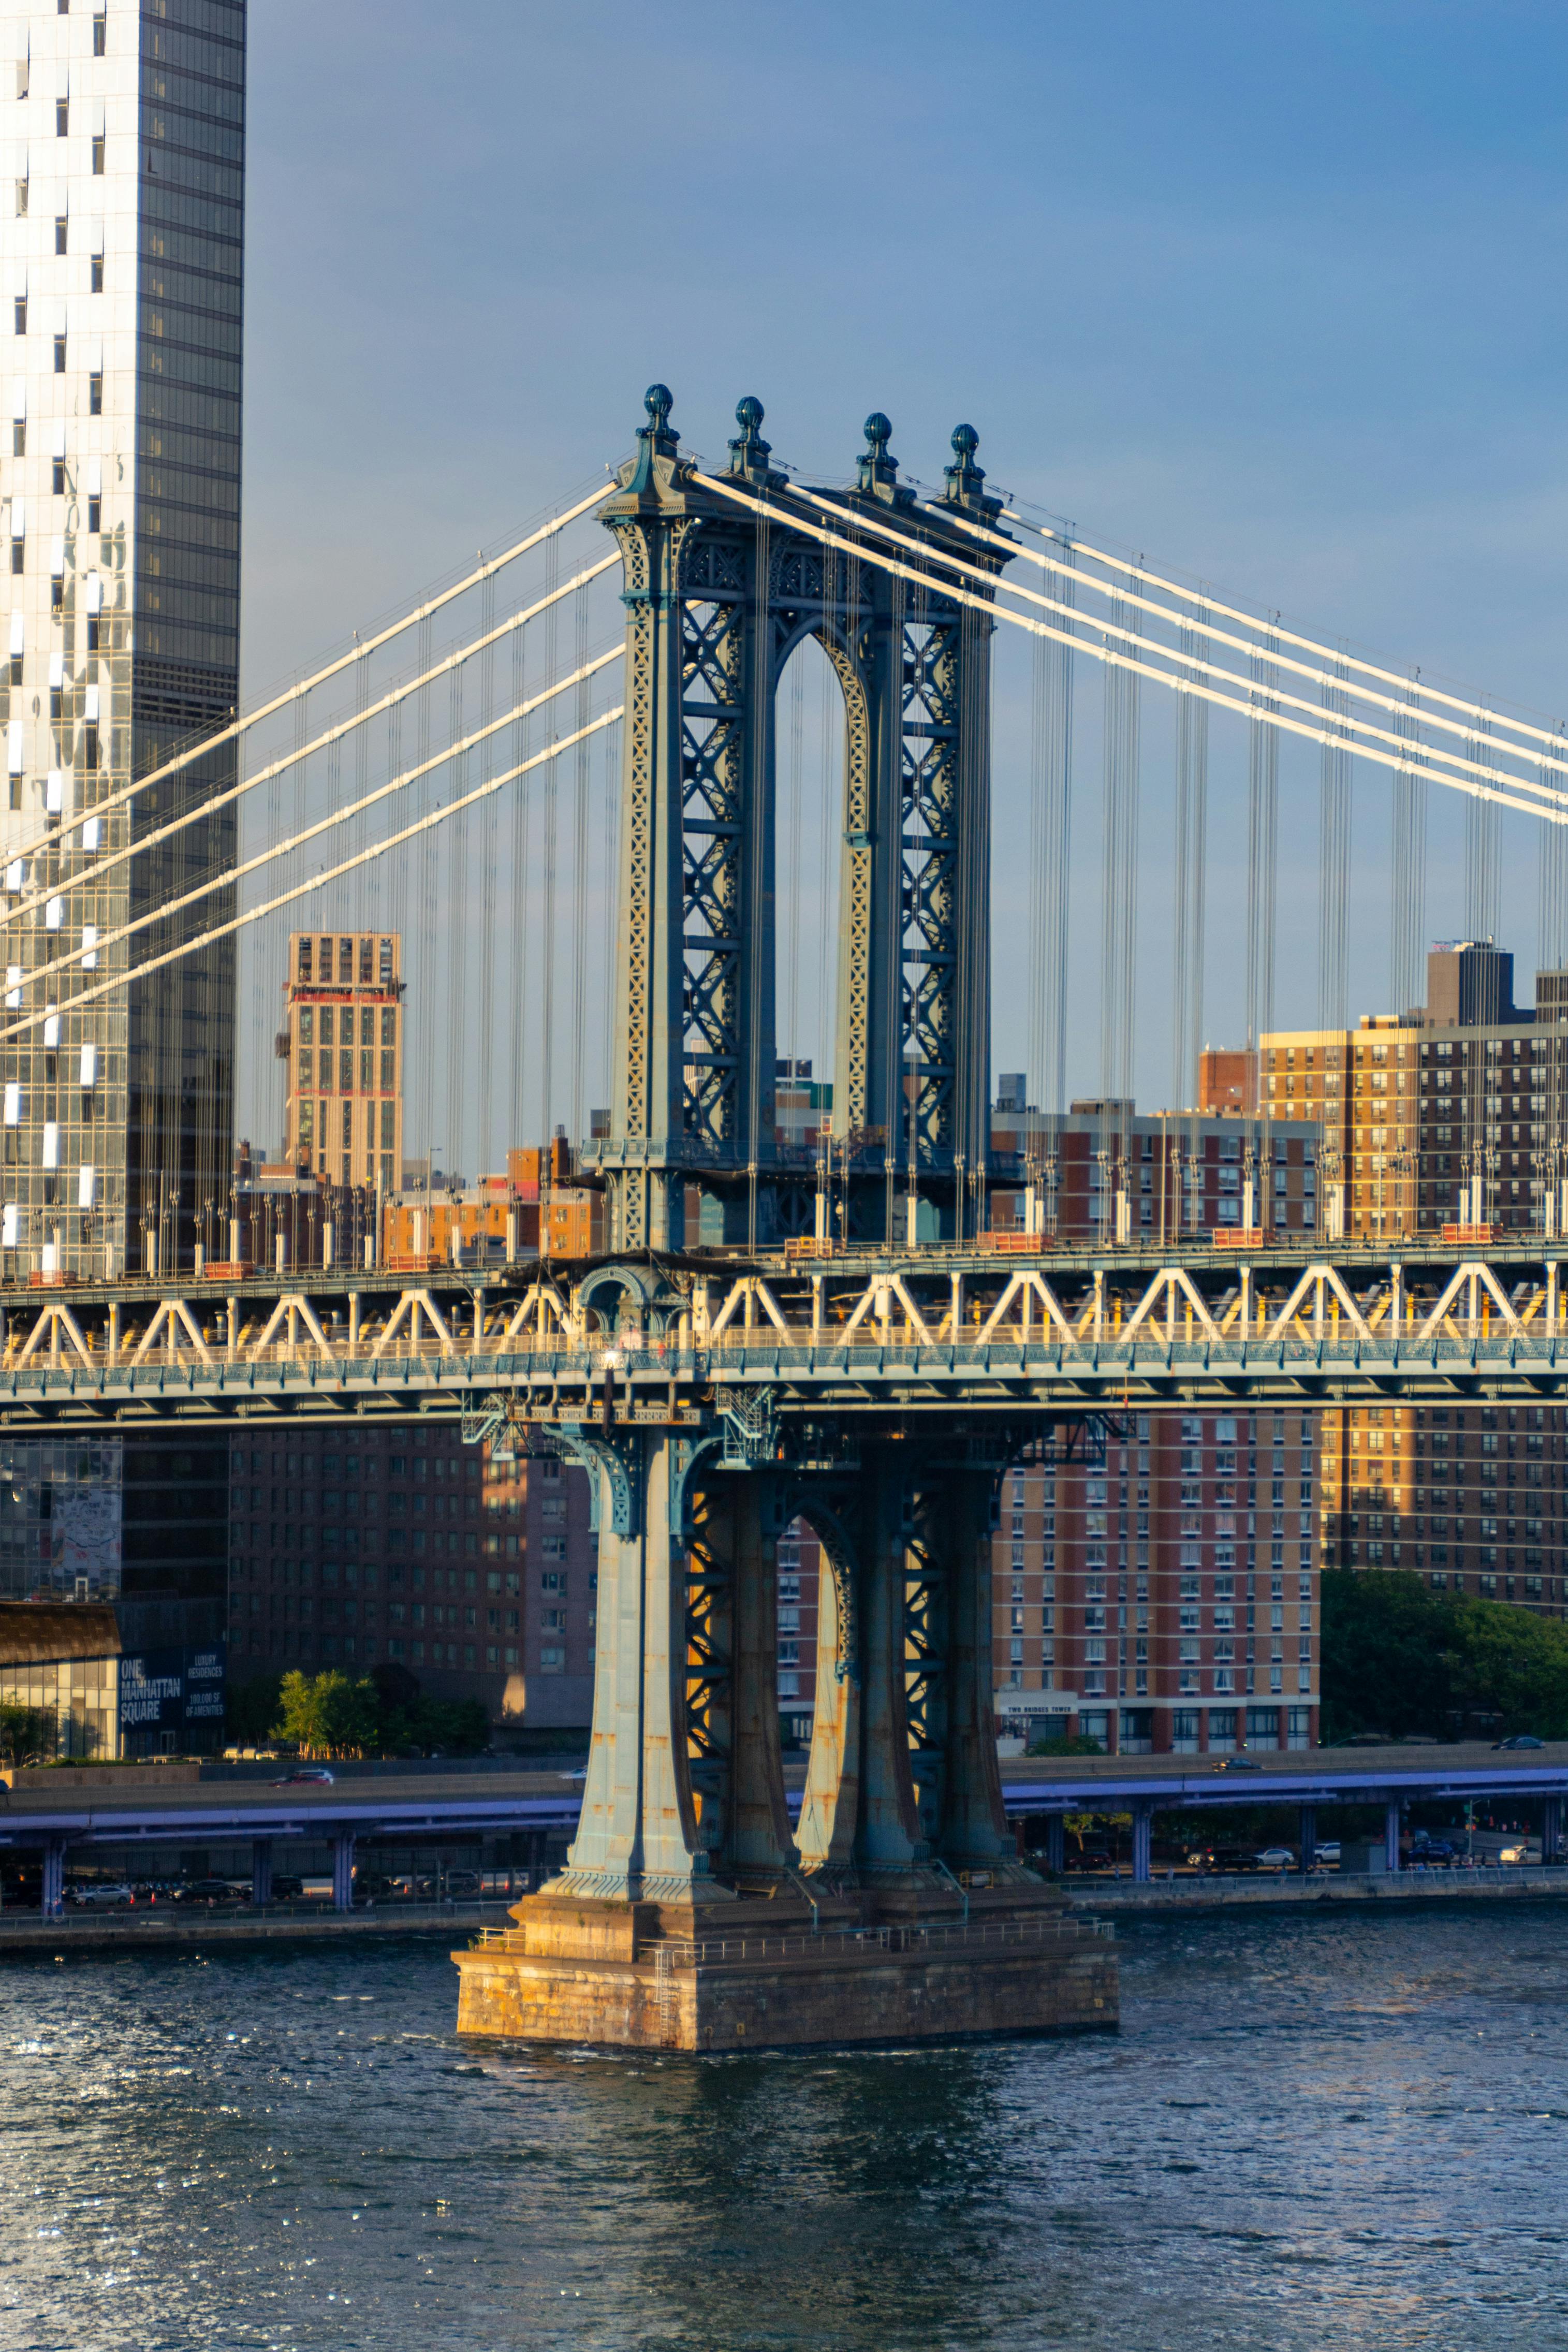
(363, 1547)
(121, 221)
(1157, 1591)
(342, 1046)
(1454, 1112)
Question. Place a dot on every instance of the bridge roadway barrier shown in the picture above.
(1162, 1896)
(857, 1335)
(33, 1818)
(150, 1927)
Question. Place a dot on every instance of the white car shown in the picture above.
(1274, 1857)
(99, 1898)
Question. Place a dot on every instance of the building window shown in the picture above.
(19, 314)
(97, 273)
(95, 395)
(98, 157)
(62, 118)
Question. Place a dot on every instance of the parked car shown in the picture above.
(1326, 1849)
(99, 1897)
(1275, 1857)
(306, 1776)
(1520, 1739)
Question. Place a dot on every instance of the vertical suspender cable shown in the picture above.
(1408, 867)
(1119, 884)
(757, 837)
(1482, 855)
(1191, 880)
(518, 924)
(580, 808)
(1191, 910)
(546, 941)
(1262, 887)
(1334, 785)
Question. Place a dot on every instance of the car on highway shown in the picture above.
(1517, 1852)
(306, 1776)
(1520, 1739)
(1435, 1852)
(1275, 1857)
(1326, 1851)
(206, 1890)
(99, 1897)
(1238, 1764)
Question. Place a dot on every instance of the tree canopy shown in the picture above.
(326, 1715)
(1401, 1658)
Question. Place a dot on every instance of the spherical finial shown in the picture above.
(878, 430)
(658, 400)
(748, 412)
(965, 441)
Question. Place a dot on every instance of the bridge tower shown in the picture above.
(693, 1911)
(723, 577)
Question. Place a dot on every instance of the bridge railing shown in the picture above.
(794, 1349)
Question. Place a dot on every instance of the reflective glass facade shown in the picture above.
(121, 221)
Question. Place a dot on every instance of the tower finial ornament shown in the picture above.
(748, 455)
(878, 471)
(965, 479)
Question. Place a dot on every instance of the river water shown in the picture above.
(1335, 2133)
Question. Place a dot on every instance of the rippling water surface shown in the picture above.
(1307, 2134)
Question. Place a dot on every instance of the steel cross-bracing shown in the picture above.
(743, 1343)
(717, 601)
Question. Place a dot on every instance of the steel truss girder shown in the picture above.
(925, 1333)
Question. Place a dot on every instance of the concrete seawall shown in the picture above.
(1167, 1898)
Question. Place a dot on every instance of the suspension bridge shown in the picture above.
(833, 1329)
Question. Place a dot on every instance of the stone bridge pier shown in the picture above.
(894, 1903)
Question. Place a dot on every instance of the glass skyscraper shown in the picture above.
(121, 235)
(121, 240)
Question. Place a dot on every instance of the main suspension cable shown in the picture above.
(295, 759)
(302, 890)
(1244, 705)
(1133, 604)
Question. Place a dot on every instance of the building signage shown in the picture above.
(163, 1690)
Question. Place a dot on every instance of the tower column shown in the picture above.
(759, 1838)
(973, 1825)
(637, 1834)
(830, 1808)
(887, 1835)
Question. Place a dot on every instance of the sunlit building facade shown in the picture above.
(121, 219)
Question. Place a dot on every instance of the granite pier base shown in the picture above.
(890, 1964)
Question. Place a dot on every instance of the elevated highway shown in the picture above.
(392, 1807)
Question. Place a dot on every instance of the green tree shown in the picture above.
(1387, 1640)
(1063, 1743)
(1398, 1657)
(24, 1734)
(326, 1715)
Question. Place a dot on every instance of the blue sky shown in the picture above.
(1273, 294)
